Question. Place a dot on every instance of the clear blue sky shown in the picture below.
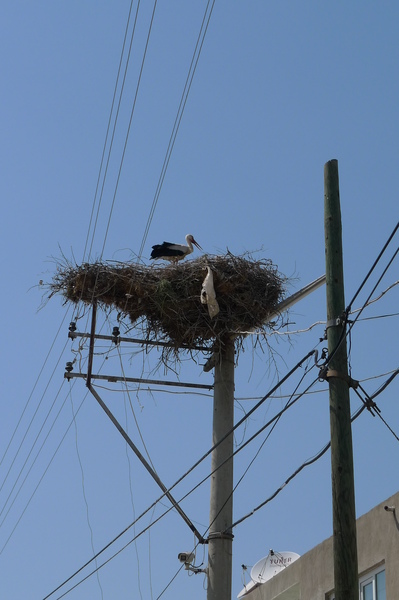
(280, 88)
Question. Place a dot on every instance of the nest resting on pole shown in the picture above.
(166, 298)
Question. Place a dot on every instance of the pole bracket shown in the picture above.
(334, 322)
(341, 320)
(220, 535)
(332, 374)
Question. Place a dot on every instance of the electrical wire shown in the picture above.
(179, 115)
(43, 475)
(278, 384)
(129, 126)
(27, 458)
(311, 461)
(346, 330)
(108, 130)
(33, 444)
(294, 395)
(363, 283)
(228, 530)
(112, 141)
(323, 322)
(388, 426)
(270, 498)
(91, 221)
(36, 457)
(370, 404)
(34, 387)
(31, 421)
(375, 263)
(373, 300)
(132, 501)
(351, 324)
(289, 479)
(305, 464)
(84, 487)
(292, 476)
(134, 416)
(296, 472)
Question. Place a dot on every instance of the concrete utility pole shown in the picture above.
(220, 551)
(343, 493)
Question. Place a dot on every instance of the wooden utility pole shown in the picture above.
(343, 493)
(220, 542)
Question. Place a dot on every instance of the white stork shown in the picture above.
(174, 252)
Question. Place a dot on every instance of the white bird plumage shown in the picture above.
(174, 252)
(208, 295)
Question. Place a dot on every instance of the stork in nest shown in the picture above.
(174, 252)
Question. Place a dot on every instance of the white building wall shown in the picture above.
(311, 576)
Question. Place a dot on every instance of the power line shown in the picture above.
(83, 486)
(296, 472)
(323, 322)
(346, 331)
(27, 458)
(371, 405)
(32, 419)
(179, 115)
(43, 475)
(388, 426)
(390, 238)
(114, 129)
(37, 455)
(318, 455)
(374, 288)
(146, 528)
(288, 404)
(377, 298)
(277, 416)
(129, 126)
(108, 129)
(34, 387)
(164, 513)
(33, 445)
(280, 384)
(243, 475)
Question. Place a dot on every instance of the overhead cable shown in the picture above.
(373, 266)
(278, 384)
(31, 421)
(34, 387)
(316, 457)
(108, 129)
(43, 475)
(346, 331)
(129, 126)
(179, 115)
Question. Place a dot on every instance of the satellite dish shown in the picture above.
(272, 564)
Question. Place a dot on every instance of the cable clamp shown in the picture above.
(220, 535)
(332, 374)
(341, 320)
(371, 406)
(369, 402)
(335, 322)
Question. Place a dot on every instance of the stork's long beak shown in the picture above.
(197, 244)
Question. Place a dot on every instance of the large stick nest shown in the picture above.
(167, 298)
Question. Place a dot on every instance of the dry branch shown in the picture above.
(167, 298)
